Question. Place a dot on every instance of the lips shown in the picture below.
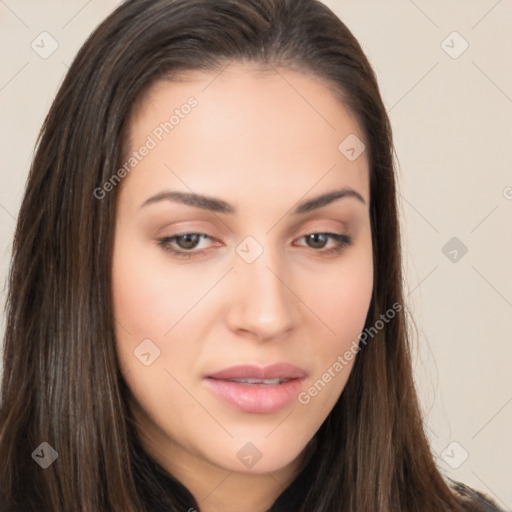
(257, 390)
(282, 371)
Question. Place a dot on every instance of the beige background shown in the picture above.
(452, 124)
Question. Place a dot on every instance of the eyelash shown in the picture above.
(342, 241)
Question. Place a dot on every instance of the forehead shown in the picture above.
(249, 127)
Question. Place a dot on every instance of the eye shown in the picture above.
(189, 244)
(185, 245)
(319, 241)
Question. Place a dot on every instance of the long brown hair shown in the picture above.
(62, 383)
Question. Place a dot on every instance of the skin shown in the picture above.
(261, 140)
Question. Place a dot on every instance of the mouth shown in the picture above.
(257, 390)
(257, 374)
(258, 382)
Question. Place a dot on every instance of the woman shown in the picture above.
(182, 335)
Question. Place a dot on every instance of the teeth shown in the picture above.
(269, 382)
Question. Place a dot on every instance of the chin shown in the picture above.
(260, 456)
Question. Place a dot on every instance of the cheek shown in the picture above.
(148, 302)
(145, 309)
(149, 296)
(340, 295)
(141, 305)
(342, 305)
(340, 299)
(156, 306)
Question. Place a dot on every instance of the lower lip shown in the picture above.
(256, 398)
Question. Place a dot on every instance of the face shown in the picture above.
(236, 294)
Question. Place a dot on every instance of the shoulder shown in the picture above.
(474, 501)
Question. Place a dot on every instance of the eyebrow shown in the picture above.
(216, 205)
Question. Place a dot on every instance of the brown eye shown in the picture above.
(188, 241)
(317, 240)
(320, 242)
(185, 245)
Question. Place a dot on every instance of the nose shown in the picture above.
(263, 305)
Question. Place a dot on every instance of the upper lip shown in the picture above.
(273, 371)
